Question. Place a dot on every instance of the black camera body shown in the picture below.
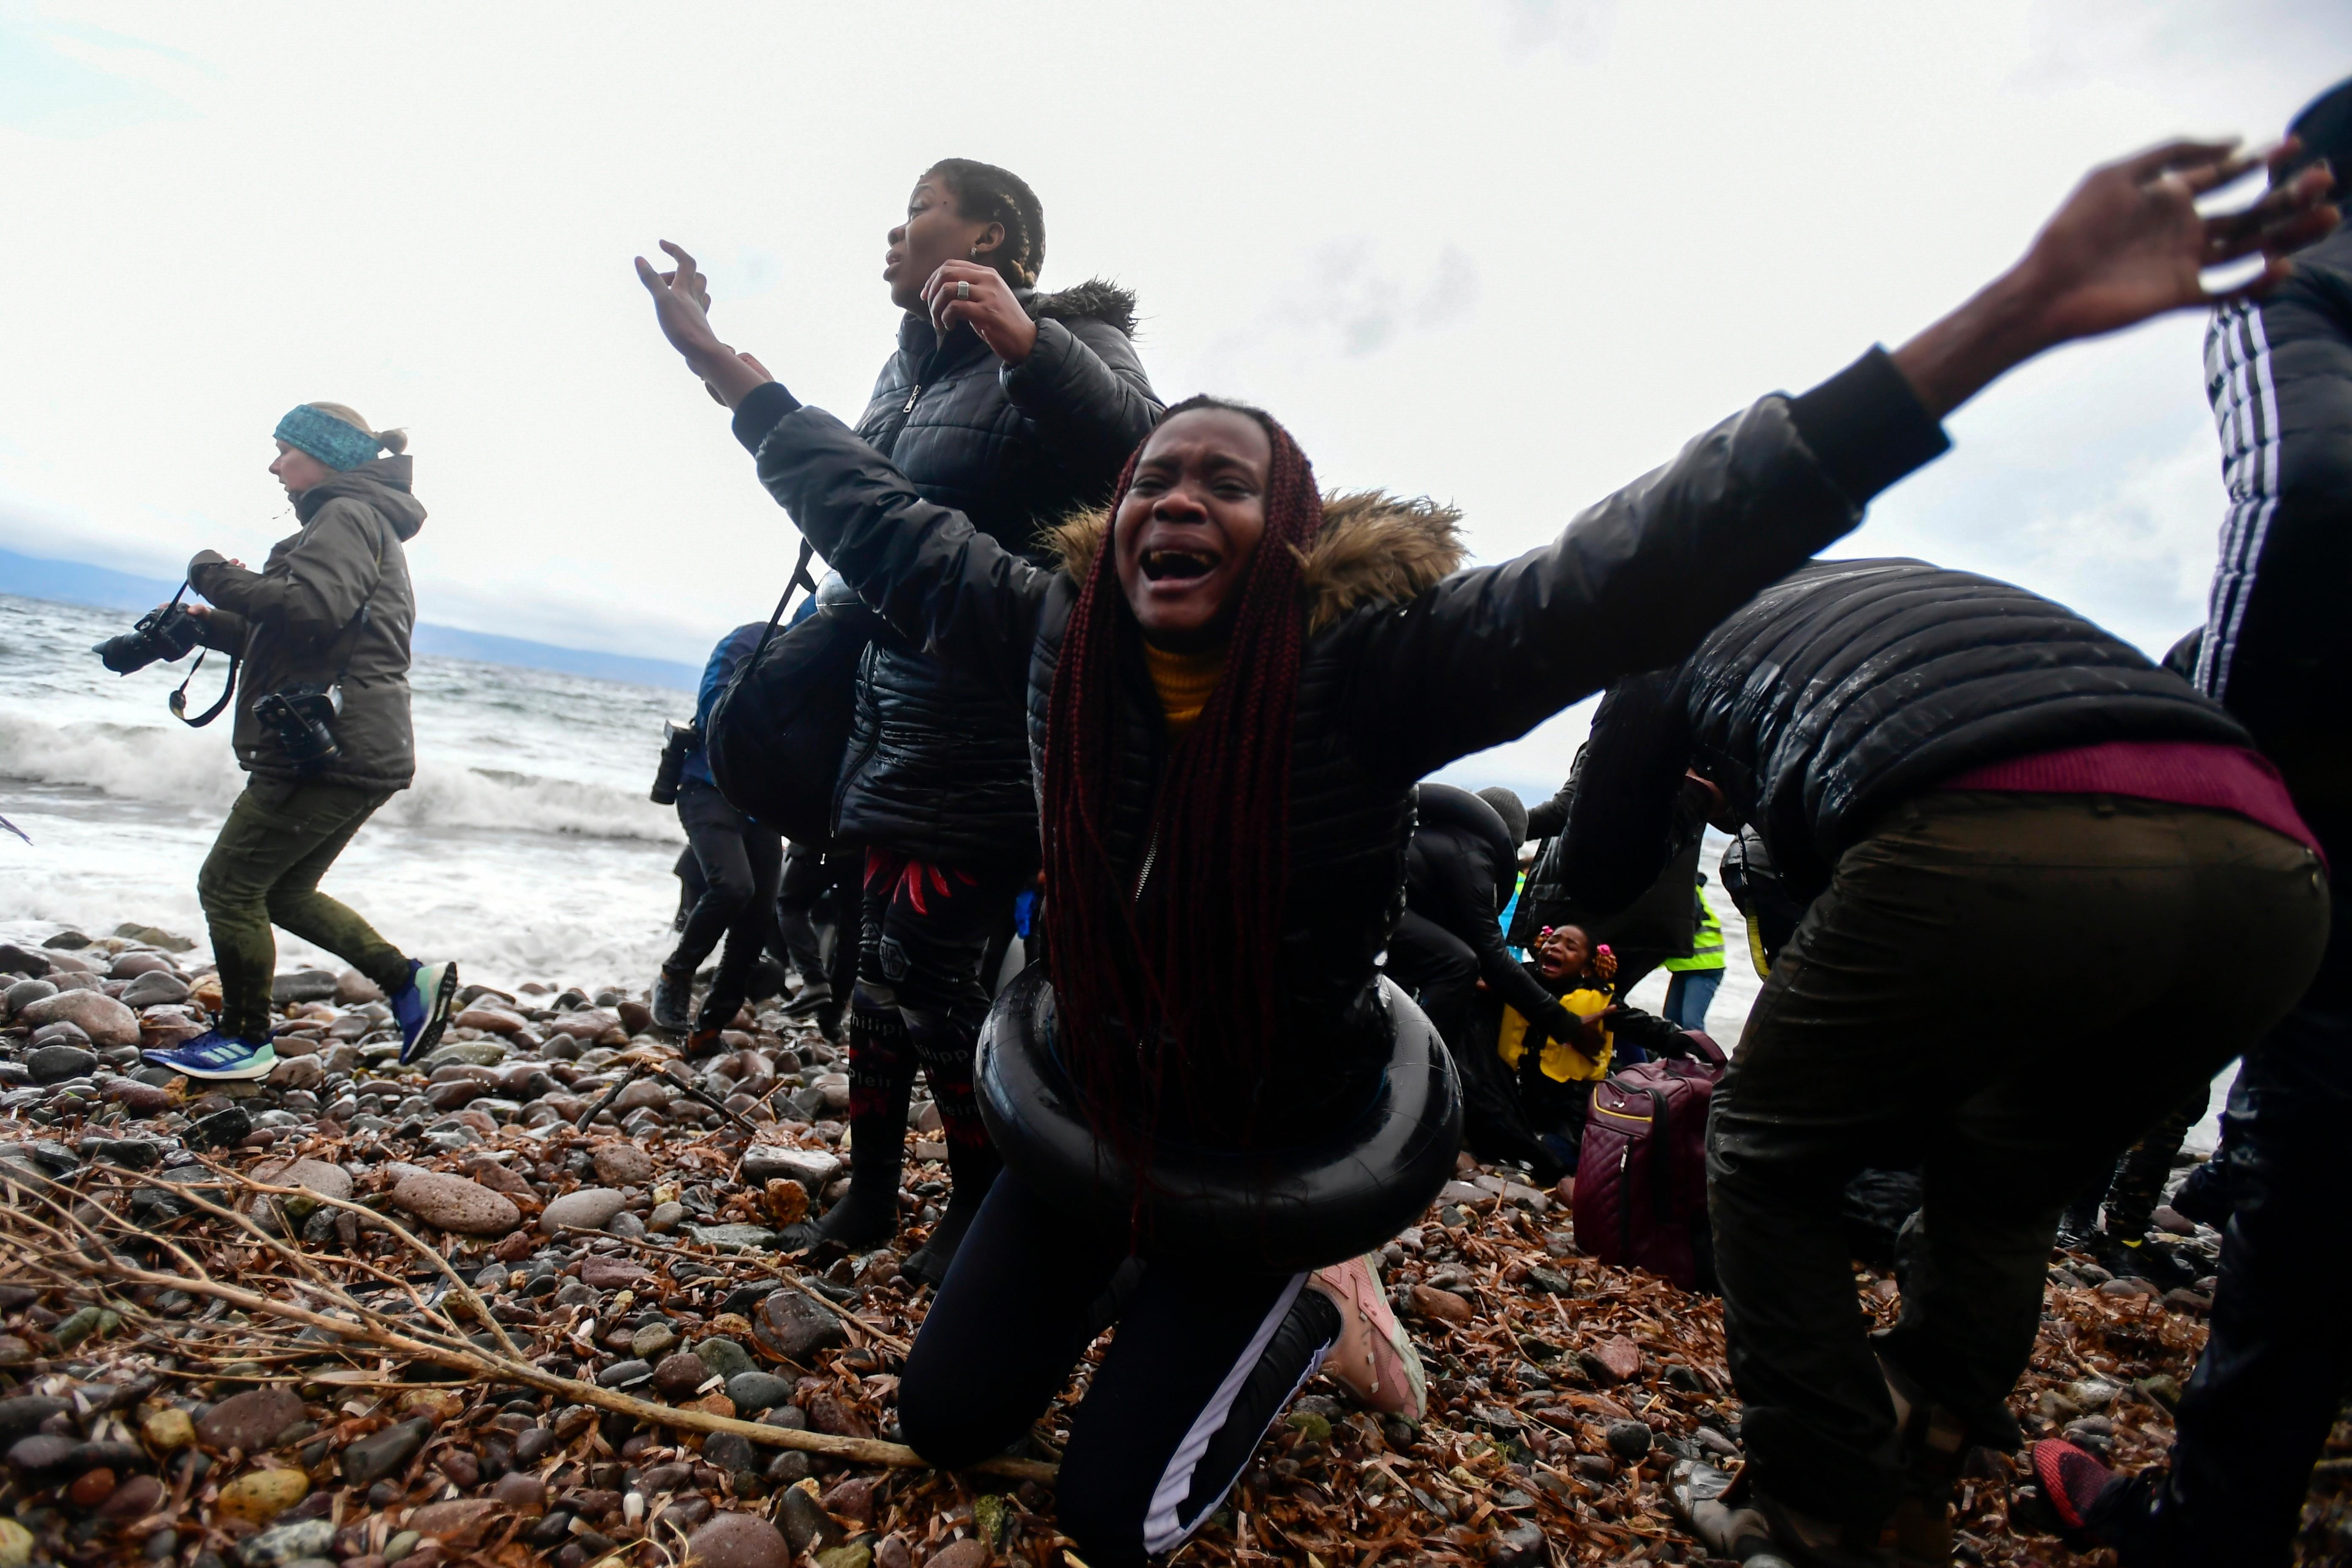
(303, 718)
(679, 741)
(168, 631)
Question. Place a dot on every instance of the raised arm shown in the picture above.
(1635, 583)
(940, 583)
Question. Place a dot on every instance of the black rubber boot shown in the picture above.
(881, 1084)
(673, 992)
(973, 1171)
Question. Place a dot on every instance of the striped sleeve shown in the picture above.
(2239, 384)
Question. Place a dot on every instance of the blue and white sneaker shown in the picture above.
(212, 1055)
(422, 1007)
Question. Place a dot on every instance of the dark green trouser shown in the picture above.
(2011, 988)
(263, 870)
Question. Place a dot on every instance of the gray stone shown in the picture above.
(653, 1341)
(738, 1540)
(622, 1165)
(729, 1452)
(466, 1053)
(1628, 1440)
(724, 1357)
(756, 1393)
(302, 985)
(329, 1181)
(624, 1373)
(373, 1458)
(220, 1130)
(734, 1238)
(794, 1327)
(132, 1153)
(105, 1021)
(589, 1208)
(156, 988)
(24, 993)
(288, 1544)
(25, 1412)
(665, 1217)
(454, 1204)
(56, 1063)
(249, 1420)
(811, 1168)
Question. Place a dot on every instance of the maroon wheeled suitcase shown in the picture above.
(1641, 1171)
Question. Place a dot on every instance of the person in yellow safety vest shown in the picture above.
(1695, 977)
(1556, 1080)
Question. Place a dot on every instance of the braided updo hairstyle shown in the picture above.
(986, 193)
(1176, 996)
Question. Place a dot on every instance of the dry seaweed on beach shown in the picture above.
(365, 1314)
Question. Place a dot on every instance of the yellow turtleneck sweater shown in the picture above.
(1183, 682)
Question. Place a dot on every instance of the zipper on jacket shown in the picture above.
(1151, 853)
(908, 406)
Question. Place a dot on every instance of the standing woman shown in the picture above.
(330, 612)
(1016, 407)
(1233, 686)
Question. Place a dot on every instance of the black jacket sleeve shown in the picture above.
(1086, 391)
(1637, 581)
(1546, 818)
(1627, 817)
(224, 631)
(1651, 1033)
(1473, 880)
(940, 583)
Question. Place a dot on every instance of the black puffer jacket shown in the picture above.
(1407, 664)
(1458, 874)
(937, 765)
(1840, 691)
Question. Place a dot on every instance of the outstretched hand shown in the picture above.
(2128, 245)
(682, 310)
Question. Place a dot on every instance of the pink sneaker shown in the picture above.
(1372, 1359)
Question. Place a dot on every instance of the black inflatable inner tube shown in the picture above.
(1281, 1209)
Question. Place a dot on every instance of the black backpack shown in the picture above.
(778, 732)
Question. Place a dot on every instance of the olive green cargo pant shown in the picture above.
(263, 870)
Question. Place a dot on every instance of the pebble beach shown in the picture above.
(520, 1302)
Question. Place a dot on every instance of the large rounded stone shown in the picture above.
(590, 1208)
(251, 1419)
(624, 1165)
(453, 1203)
(737, 1540)
(156, 988)
(315, 1175)
(263, 1495)
(131, 964)
(105, 1021)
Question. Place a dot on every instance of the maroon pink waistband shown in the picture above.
(2179, 773)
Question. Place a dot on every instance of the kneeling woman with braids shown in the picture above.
(1234, 683)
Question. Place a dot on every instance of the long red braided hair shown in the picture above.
(1175, 993)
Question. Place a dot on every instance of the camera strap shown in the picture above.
(179, 699)
(800, 579)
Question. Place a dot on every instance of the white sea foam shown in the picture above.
(526, 848)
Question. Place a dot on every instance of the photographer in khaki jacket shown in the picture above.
(323, 728)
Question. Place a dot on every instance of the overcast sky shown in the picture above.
(1507, 254)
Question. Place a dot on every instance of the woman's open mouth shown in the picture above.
(1160, 566)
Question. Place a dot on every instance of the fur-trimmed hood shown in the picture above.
(1097, 299)
(1374, 549)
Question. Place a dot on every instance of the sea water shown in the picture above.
(527, 848)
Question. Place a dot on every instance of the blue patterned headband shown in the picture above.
(334, 443)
